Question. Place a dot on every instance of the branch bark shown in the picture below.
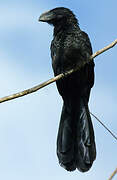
(113, 174)
(56, 78)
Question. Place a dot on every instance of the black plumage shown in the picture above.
(70, 47)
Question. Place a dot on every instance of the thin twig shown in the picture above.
(62, 75)
(104, 126)
(113, 174)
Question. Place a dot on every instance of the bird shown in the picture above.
(70, 47)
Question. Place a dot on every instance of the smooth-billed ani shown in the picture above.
(70, 47)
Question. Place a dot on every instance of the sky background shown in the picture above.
(29, 125)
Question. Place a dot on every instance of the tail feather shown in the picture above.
(75, 141)
(85, 148)
(65, 142)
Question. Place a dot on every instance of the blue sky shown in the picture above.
(29, 125)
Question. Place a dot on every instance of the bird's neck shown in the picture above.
(64, 28)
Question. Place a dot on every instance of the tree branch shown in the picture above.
(114, 136)
(113, 174)
(62, 75)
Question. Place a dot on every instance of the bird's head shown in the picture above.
(58, 16)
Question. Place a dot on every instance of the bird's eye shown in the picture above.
(59, 16)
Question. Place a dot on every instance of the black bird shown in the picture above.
(69, 48)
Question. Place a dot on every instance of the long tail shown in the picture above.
(76, 142)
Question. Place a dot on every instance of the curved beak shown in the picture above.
(46, 17)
